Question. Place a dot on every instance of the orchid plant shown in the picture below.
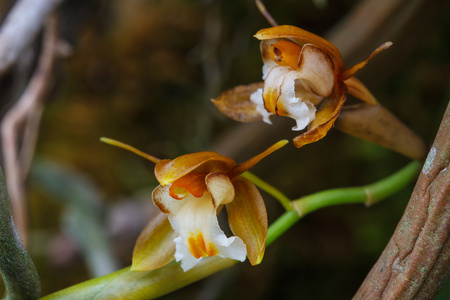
(193, 189)
(304, 78)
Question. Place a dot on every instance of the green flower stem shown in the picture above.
(285, 201)
(281, 225)
(127, 284)
(368, 194)
(141, 285)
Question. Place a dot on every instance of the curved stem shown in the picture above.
(269, 189)
(281, 225)
(368, 194)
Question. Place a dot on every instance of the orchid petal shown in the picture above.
(220, 187)
(195, 220)
(247, 217)
(353, 70)
(154, 247)
(166, 204)
(325, 117)
(167, 171)
(247, 165)
(237, 105)
(376, 124)
(302, 37)
(358, 89)
(316, 67)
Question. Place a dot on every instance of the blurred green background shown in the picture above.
(143, 72)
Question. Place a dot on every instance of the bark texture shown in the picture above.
(416, 262)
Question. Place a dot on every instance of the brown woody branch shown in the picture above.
(416, 262)
(20, 124)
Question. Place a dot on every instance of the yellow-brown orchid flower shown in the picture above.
(193, 188)
(304, 79)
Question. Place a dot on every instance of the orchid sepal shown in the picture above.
(247, 217)
(374, 123)
(155, 247)
(167, 171)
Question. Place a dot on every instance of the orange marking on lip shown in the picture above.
(211, 250)
(193, 183)
(198, 248)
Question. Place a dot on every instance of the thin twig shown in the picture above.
(266, 13)
(19, 128)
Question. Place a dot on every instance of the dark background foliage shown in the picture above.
(143, 72)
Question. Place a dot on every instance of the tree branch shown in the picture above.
(20, 28)
(416, 262)
(20, 124)
(16, 267)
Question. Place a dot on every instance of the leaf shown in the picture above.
(236, 104)
(154, 247)
(247, 217)
(16, 267)
(376, 124)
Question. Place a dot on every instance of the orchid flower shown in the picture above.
(305, 79)
(193, 189)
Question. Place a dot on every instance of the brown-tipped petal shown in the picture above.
(302, 37)
(220, 187)
(167, 171)
(358, 89)
(376, 124)
(325, 117)
(247, 217)
(352, 71)
(236, 104)
(154, 247)
(247, 165)
(316, 68)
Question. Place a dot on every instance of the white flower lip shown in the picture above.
(294, 93)
(283, 80)
(200, 236)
